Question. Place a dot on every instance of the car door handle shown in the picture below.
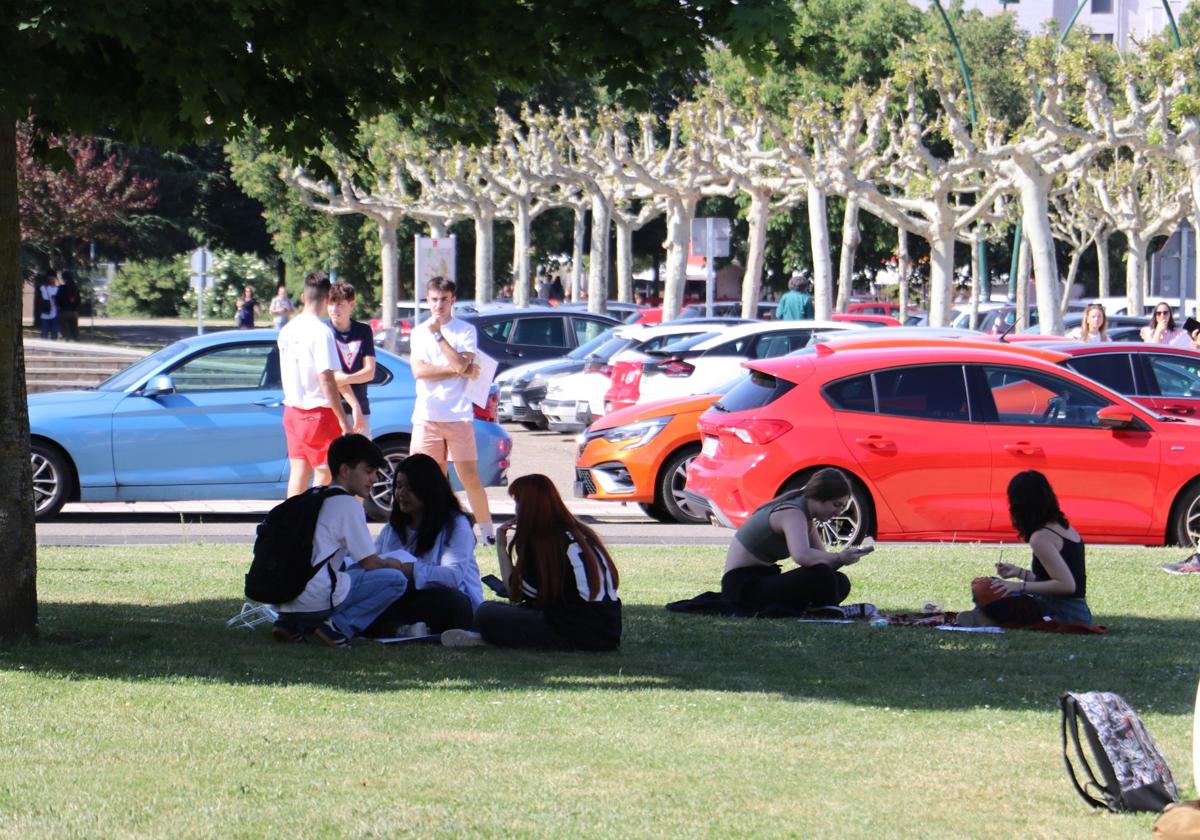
(1186, 410)
(269, 402)
(1023, 449)
(875, 442)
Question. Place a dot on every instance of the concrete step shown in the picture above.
(92, 375)
(40, 386)
(42, 363)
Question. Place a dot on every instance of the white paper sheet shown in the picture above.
(477, 389)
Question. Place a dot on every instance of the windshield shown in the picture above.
(122, 380)
(687, 343)
(583, 350)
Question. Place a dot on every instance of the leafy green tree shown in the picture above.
(177, 71)
(154, 287)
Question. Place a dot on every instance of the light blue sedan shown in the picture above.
(203, 419)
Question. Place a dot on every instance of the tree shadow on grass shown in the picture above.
(1151, 661)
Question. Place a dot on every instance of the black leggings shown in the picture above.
(438, 606)
(522, 627)
(805, 586)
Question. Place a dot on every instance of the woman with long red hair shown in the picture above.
(559, 575)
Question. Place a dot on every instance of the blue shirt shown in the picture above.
(449, 563)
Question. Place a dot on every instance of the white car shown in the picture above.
(573, 401)
(696, 366)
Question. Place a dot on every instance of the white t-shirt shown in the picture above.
(442, 400)
(342, 532)
(306, 350)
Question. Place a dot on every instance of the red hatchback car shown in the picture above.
(930, 435)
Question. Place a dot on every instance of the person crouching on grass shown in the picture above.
(360, 584)
(559, 575)
(1056, 585)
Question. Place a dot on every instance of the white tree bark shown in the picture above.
(1102, 267)
(484, 220)
(851, 237)
(818, 229)
(624, 258)
(577, 240)
(598, 256)
(758, 214)
(904, 268)
(681, 209)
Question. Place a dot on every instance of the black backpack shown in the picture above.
(1133, 774)
(282, 565)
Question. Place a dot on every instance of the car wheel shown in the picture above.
(379, 504)
(1185, 522)
(669, 492)
(850, 528)
(52, 480)
(533, 427)
(656, 512)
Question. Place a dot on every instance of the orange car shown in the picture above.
(641, 454)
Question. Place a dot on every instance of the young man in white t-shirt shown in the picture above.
(342, 601)
(442, 354)
(312, 407)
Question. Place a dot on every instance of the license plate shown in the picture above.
(709, 447)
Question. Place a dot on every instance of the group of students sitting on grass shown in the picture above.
(1054, 587)
(421, 570)
(420, 577)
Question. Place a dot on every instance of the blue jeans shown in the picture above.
(50, 328)
(371, 592)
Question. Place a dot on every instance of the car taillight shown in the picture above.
(598, 367)
(758, 431)
(406, 327)
(488, 412)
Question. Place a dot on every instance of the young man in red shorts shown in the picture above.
(312, 413)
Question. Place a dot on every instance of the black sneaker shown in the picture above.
(331, 636)
(859, 610)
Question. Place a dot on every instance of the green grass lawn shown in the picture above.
(139, 715)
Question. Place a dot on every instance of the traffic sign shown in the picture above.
(719, 245)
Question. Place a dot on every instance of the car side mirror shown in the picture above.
(1115, 417)
(159, 386)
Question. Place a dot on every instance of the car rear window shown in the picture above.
(755, 391)
(1109, 369)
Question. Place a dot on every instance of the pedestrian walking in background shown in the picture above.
(68, 307)
(247, 308)
(47, 297)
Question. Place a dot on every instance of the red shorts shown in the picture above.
(309, 431)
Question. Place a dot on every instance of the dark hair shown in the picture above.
(1032, 504)
(341, 292)
(1170, 315)
(441, 284)
(797, 283)
(316, 287)
(826, 485)
(47, 277)
(425, 479)
(352, 450)
(539, 540)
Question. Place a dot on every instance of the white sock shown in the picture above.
(486, 530)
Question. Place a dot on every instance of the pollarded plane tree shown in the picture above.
(937, 198)
(1143, 198)
(678, 173)
(457, 178)
(1077, 221)
(744, 150)
(522, 166)
(387, 204)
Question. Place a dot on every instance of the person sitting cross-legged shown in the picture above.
(342, 601)
(431, 536)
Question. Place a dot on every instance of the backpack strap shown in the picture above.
(326, 492)
(1070, 710)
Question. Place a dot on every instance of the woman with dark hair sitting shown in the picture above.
(784, 528)
(559, 575)
(1056, 585)
(435, 543)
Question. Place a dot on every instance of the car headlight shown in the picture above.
(637, 434)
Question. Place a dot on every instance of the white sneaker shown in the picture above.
(419, 628)
(457, 637)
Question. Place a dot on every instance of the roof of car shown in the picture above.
(530, 312)
(1084, 348)
(690, 325)
(755, 327)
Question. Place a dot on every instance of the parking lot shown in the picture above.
(150, 523)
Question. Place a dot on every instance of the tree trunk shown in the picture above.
(1034, 189)
(851, 238)
(758, 216)
(818, 224)
(978, 281)
(521, 248)
(903, 271)
(1102, 267)
(577, 251)
(484, 246)
(624, 258)
(389, 255)
(437, 230)
(1072, 270)
(680, 210)
(941, 276)
(1135, 262)
(1021, 319)
(598, 259)
(18, 555)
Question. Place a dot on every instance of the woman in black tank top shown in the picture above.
(1056, 584)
